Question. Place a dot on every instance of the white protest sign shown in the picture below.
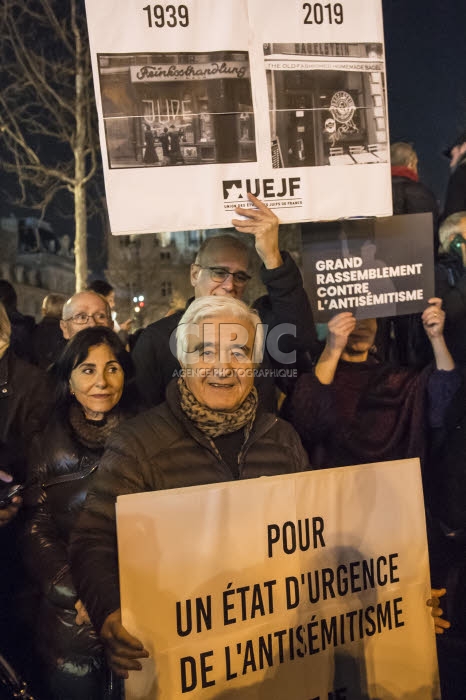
(203, 101)
(306, 587)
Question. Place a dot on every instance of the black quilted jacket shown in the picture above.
(63, 472)
(162, 449)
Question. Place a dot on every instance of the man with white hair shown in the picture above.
(82, 310)
(211, 428)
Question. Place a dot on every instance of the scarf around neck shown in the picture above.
(92, 434)
(214, 423)
(403, 171)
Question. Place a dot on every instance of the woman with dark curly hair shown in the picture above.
(94, 393)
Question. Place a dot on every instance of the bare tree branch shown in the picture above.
(48, 126)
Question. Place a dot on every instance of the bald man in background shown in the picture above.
(83, 310)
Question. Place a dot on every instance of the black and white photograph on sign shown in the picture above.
(327, 104)
(176, 109)
(373, 267)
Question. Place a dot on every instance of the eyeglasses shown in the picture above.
(220, 274)
(81, 318)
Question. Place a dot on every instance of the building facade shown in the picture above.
(36, 262)
(156, 267)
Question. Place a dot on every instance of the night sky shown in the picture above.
(425, 43)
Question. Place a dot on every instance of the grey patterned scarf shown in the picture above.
(215, 423)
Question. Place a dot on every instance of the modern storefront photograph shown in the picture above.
(327, 104)
(163, 110)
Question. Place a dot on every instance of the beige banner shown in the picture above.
(300, 587)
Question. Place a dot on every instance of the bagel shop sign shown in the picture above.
(296, 586)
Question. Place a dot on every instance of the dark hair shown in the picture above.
(8, 296)
(100, 287)
(76, 351)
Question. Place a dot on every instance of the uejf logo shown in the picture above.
(276, 192)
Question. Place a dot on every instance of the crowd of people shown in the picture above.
(83, 420)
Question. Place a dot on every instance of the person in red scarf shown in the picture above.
(409, 195)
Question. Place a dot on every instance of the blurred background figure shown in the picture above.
(84, 309)
(107, 291)
(455, 198)
(25, 400)
(410, 196)
(25, 397)
(47, 338)
(22, 326)
(450, 280)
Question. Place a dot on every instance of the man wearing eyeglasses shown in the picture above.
(221, 268)
(82, 310)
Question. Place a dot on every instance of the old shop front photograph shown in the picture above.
(327, 104)
(163, 110)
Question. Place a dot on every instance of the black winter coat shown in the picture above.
(47, 342)
(22, 328)
(403, 340)
(449, 492)
(450, 285)
(411, 197)
(162, 449)
(25, 400)
(64, 471)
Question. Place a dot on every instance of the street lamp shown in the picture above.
(139, 303)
